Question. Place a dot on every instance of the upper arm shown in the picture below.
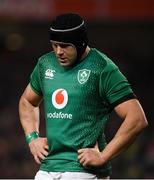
(114, 86)
(32, 97)
(132, 111)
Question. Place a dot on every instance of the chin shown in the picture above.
(65, 64)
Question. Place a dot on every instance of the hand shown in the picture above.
(39, 148)
(90, 157)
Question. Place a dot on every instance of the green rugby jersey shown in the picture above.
(77, 103)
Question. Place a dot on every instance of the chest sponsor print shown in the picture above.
(59, 98)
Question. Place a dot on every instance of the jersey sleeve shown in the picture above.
(35, 80)
(114, 86)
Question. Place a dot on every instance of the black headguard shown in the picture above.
(70, 28)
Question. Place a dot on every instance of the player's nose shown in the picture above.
(59, 50)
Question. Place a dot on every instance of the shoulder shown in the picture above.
(103, 61)
(46, 57)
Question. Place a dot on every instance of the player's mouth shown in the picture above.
(62, 60)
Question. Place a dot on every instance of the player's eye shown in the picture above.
(54, 45)
(63, 45)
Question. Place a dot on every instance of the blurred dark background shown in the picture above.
(123, 30)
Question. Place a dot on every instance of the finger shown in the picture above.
(46, 147)
(85, 164)
(82, 161)
(44, 152)
(96, 146)
(81, 150)
(46, 141)
(41, 156)
(80, 156)
(37, 160)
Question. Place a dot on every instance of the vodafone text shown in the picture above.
(59, 115)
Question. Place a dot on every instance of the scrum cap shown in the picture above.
(70, 28)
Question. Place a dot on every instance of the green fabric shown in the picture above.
(31, 136)
(77, 105)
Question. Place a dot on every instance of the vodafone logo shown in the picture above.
(59, 98)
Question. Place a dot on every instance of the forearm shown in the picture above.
(116, 146)
(29, 116)
(124, 137)
(134, 121)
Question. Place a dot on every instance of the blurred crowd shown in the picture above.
(129, 45)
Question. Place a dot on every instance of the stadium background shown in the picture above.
(124, 30)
